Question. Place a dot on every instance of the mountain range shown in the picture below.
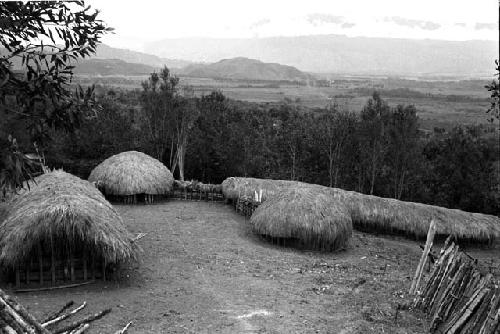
(107, 52)
(342, 54)
(97, 67)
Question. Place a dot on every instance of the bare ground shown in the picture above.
(202, 270)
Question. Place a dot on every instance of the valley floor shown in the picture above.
(202, 270)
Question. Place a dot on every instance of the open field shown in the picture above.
(203, 271)
(439, 103)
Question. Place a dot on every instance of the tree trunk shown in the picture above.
(401, 185)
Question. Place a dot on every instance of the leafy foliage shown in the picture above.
(39, 40)
(43, 38)
(494, 89)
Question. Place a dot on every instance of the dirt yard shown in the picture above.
(203, 271)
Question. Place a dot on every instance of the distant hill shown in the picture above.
(114, 61)
(342, 54)
(107, 52)
(245, 68)
(111, 67)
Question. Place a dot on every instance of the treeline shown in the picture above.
(379, 150)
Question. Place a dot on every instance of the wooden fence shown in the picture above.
(196, 195)
(461, 296)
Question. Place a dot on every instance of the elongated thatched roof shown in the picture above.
(307, 215)
(234, 187)
(67, 209)
(383, 214)
(388, 214)
(131, 173)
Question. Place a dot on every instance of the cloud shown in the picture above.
(487, 26)
(460, 24)
(348, 25)
(425, 25)
(260, 23)
(320, 19)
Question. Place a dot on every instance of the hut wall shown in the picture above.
(52, 266)
(188, 194)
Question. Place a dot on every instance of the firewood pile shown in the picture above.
(459, 296)
(15, 319)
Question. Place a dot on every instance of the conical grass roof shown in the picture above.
(304, 214)
(131, 173)
(66, 209)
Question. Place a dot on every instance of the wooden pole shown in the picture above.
(103, 269)
(40, 262)
(421, 265)
(92, 266)
(18, 277)
(84, 263)
(71, 265)
(52, 261)
(27, 270)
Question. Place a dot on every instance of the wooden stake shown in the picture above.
(71, 265)
(40, 262)
(18, 278)
(52, 261)
(85, 274)
(92, 266)
(420, 268)
(27, 270)
(103, 269)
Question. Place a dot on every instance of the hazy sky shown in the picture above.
(140, 21)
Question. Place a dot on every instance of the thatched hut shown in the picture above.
(132, 176)
(304, 217)
(383, 215)
(61, 229)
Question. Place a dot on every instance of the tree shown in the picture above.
(373, 136)
(335, 130)
(209, 155)
(461, 171)
(39, 40)
(183, 119)
(169, 117)
(402, 154)
(494, 89)
(292, 134)
(159, 98)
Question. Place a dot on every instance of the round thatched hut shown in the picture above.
(61, 229)
(132, 176)
(305, 218)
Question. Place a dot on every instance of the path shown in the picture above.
(202, 270)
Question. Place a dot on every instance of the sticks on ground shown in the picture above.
(58, 313)
(85, 320)
(64, 316)
(124, 329)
